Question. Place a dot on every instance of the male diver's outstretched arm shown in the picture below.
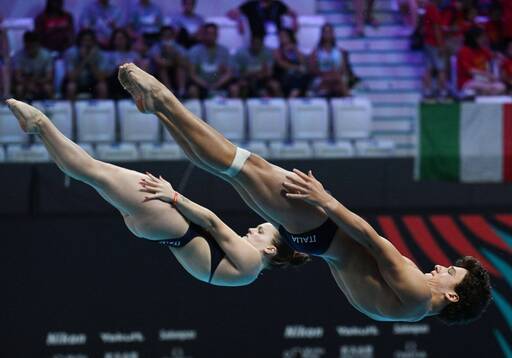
(406, 281)
(238, 251)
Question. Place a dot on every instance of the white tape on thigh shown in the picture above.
(238, 162)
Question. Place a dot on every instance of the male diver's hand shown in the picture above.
(159, 188)
(305, 187)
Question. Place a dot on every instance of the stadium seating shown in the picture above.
(34, 153)
(193, 105)
(10, 131)
(338, 149)
(60, 113)
(136, 126)
(293, 150)
(352, 118)
(267, 119)
(227, 116)
(2, 154)
(95, 121)
(309, 118)
(122, 152)
(164, 151)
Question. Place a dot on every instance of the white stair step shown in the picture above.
(362, 43)
(392, 125)
(347, 5)
(387, 58)
(393, 112)
(379, 85)
(387, 71)
(335, 17)
(371, 32)
(412, 98)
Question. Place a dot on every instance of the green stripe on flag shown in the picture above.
(439, 141)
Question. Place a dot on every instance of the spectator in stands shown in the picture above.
(254, 65)
(474, 75)
(434, 50)
(102, 17)
(120, 52)
(5, 63)
(210, 66)
(145, 21)
(454, 24)
(328, 67)
(409, 11)
(55, 26)
(290, 65)
(506, 18)
(189, 24)
(86, 67)
(264, 16)
(33, 69)
(506, 67)
(494, 28)
(169, 60)
(364, 14)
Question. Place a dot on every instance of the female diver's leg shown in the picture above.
(182, 142)
(119, 186)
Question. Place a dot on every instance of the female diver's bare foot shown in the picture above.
(30, 118)
(146, 90)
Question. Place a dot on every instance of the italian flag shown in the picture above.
(468, 142)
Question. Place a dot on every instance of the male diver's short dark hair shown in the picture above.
(474, 294)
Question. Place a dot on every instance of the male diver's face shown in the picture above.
(446, 279)
(261, 236)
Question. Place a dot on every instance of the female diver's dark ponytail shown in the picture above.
(286, 256)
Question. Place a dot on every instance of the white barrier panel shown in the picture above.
(267, 118)
(10, 131)
(89, 149)
(227, 116)
(375, 148)
(124, 152)
(257, 147)
(294, 150)
(136, 126)
(309, 118)
(165, 151)
(60, 113)
(2, 154)
(95, 121)
(338, 149)
(35, 153)
(193, 105)
(493, 99)
(352, 118)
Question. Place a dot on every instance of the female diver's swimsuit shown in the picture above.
(314, 242)
(194, 231)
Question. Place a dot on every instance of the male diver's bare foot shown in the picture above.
(146, 90)
(30, 118)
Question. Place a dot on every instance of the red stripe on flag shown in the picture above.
(392, 233)
(481, 228)
(456, 239)
(424, 239)
(507, 142)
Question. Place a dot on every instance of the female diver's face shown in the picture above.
(261, 236)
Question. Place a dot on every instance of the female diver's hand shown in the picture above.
(305, 187)
(159, 188)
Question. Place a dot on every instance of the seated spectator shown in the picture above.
(86, 67)
(121, 52)
(506, 67)
(55, 27)
(290, 65)
(265, 17)
(474, 75)
(169, 60)
(409, 11)
(145, 21)
(102, 17)
(210, 66)
(189, 25)
(328, 65)
(454, 23)
(435, 51)
(363, 15)
(33, 70)
(5, 64)
(254, 66)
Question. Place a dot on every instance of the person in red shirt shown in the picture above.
(474, 75)
(506, 67)
(506, 18)
(55, 27)
(434, 49)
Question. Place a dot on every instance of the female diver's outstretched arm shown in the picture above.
(242, 255)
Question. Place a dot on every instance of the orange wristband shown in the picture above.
(175, 198)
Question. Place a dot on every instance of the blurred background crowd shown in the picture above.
(467, 46)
